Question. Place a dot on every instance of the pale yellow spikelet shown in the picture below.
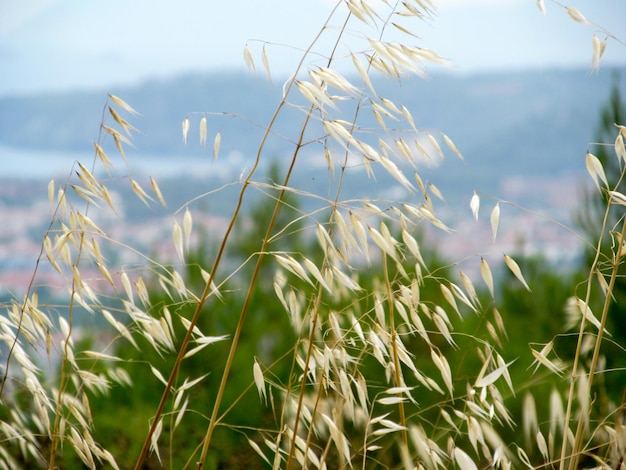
(86, 223)
(620, 149)
(105, 272)
(154, 439)
(386, 247)
(347, 239)
(77, 279)
(542, 445)
(203, 131)
(185, 127)
(340, 440)
(51, 192)
(491, 377)
(515, 269)
(412, 10)
(617, 198)
(389, 425)
(588, 314)
(413, 247)
(557, 415)
(475, 204)
(95, 249)
(452, 146)
(435, 145)
(157, 191)
(598, 46)
(141, 194)
(345, 280)
(127, 287)
(576, 15)
(108, 457)
(48, 248)
(189, 384)
(290, 264)
(391, 106)
(118, 138)
(258, 450)
(358, 10)
(324, 240)
(441, 363)
(463, 460)
(524, 458)
(359, 231)
(541, 358)
(356, 326)
(361, 70)
(259, 381)
(81, 448)
(435, 190)
(314, 94)
(216, 145)
(469, 288)
(439, 318)
(266, 63)
(401, 28)
(506, 374)
(404, 149)
(122, 104)
(181, 413)
(142, 291)
(104, 159)
(249, 59)
(529, 417)
(541, 6)
(329, 161)
(458, 292)
(475, 432)
(495, 221)
(334, 325)
(86, 194)
(447, 294)
(596, 171)
(179, 284)
(493, 334)
(104, 192)
(187, 228)
(123, 123)
(314, 270)
(379, 118)
(485, 272)
(336, 80)
(101, 356)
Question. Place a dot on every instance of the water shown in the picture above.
(22, 163)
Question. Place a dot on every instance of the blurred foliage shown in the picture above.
(531, 320)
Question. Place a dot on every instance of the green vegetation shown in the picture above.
(309, 330)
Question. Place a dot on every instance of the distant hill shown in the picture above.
(526, 122)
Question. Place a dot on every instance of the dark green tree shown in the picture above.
(268, 337)
(590, 220)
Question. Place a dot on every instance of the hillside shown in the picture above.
(526, 124)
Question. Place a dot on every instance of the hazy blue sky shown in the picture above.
(62, 44)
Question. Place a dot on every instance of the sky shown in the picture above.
(60, 45)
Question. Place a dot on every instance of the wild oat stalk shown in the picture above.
(615, 201)
(380, 372)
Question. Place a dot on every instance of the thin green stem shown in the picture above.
(394, 348)
(570, 399)
(242, 316)
(615, 264)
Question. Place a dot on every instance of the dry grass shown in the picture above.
(368, 354)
